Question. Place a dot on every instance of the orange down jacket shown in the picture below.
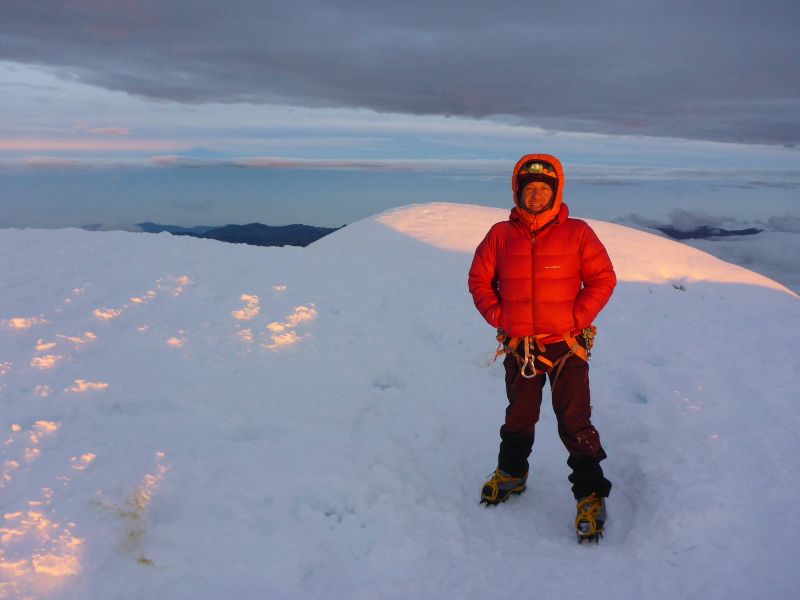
(543, 274)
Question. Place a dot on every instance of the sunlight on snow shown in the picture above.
(82, 462)
(177, 341)
(458, 227)
(644, 257)
(638, 256)
(281, 340)
(174, 285)
(142, 299)
(35, 434)
(171, 284)
(81, 385)
(48, 361)
(28, 453)
(43, 391)
(108, 313)
(250, 310)
(9, 466)
(38, 550)
(300, 314)
(46, 426)
(24, 322)
(283, 334)
(147, 488)
(88, 336)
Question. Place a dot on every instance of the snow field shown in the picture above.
(307, 423)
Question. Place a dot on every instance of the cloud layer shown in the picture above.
(715, 70)
(612, 176)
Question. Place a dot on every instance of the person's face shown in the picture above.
(536, 196)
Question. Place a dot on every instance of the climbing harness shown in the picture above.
(535, 363)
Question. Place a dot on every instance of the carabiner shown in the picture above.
(528, 361)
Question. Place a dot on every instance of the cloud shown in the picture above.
(689, 220)
(682, 219)
(473, 169)
(639, 221)
(778, 185)
(89, 145)
(46, 163)
(605, 182)
(85, 128)
(787, 223)
(478, 166)
(324, 164)
(59, 163)
(716, 70)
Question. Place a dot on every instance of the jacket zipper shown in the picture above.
(533, 278)
(533, 269)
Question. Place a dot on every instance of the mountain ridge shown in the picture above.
(254, 234)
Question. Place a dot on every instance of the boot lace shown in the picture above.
(494, 484)
(588, 509)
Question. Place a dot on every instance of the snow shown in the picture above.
(189, 419)
(772, 253)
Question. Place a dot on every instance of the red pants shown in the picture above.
(571, 404)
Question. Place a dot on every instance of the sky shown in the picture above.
(204, 113)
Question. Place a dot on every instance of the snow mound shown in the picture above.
(189, 419)
(637, 255)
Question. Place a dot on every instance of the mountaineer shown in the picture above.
(541, 278)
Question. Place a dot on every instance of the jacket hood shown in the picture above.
(542, 219)
(529, 221)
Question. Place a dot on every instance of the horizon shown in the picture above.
(122, 117)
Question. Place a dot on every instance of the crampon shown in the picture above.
(590, 519)
(501, 486)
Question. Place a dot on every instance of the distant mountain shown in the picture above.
(257, 234)
(149, 227)
(704, 232)
(120, 227)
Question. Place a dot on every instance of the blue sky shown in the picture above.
(118, 117)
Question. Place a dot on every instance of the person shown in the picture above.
(541, 278)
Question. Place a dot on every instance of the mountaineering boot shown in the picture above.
(501, 486)
(590, 518)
